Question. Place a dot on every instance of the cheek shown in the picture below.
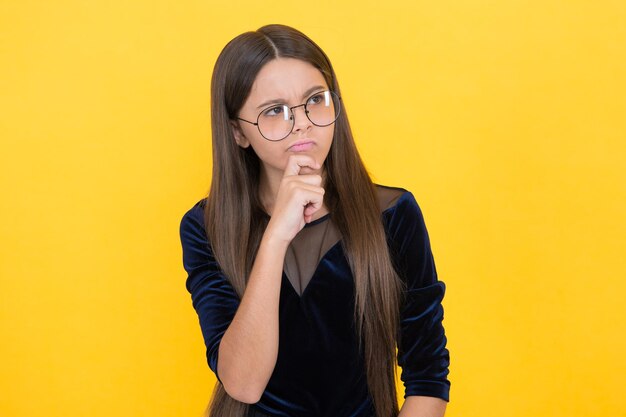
(266, 153)
(327, 136)
(270, 153)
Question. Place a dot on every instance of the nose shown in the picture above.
(301, 122)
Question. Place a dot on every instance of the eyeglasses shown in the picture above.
(277, 121)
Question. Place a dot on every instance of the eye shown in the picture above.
(316, 98)
(274, 111)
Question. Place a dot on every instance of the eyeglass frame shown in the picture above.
(293, 115)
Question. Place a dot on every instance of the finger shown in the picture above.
(307, 195)
(312, 207)
(311, 196)
(309, 191)
(310, 179)
(296, 162)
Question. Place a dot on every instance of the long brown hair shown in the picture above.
(235, 222)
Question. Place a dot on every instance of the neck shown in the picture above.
(268, 189)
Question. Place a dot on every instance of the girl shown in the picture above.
(305, 274)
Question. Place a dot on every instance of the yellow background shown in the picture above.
(505, 119)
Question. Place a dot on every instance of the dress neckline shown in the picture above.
(313, 223)
(316, 221)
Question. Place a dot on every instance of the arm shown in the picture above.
(421, 406)
(422, 352)
(248, 328)
(249, 348)
(241, 336)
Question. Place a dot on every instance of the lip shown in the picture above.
(302, 145)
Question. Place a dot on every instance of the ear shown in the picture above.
(240, 138)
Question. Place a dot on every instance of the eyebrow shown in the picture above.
(282, 100)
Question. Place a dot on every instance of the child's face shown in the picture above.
(291, 82)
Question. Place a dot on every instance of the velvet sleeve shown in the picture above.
(422, 352)
(213, 297)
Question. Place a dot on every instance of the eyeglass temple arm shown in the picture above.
(247, 121)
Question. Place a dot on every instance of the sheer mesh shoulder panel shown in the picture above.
(387, 196)
(310, 245)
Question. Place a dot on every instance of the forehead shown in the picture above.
(285, 78)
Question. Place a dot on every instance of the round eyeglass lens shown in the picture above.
(275, 122)
(322, 109)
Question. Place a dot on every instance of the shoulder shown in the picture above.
(388, 195)
(400, 209)
(195, 213)
(197, 252)
(192, 221)
(391, 198)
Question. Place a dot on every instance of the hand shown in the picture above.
(299, 197)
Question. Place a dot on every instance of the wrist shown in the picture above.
(274, 241)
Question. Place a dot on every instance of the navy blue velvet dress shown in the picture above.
(319, 371)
